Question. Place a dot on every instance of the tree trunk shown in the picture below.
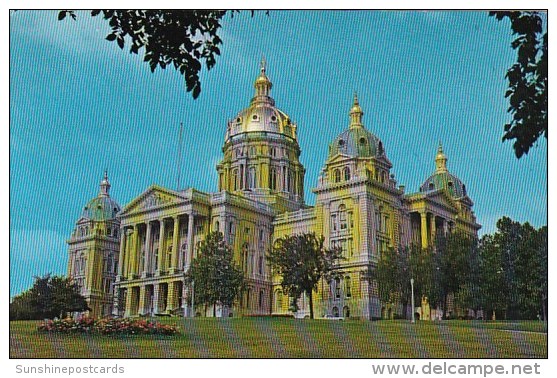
(311, 304)
(214, 310)
(445, 312)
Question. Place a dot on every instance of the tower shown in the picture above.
(261, 153)
(93, 250)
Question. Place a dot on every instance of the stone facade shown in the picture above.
(260, 198)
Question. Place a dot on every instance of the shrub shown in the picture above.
(108, 326)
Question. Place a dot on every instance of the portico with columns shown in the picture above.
(160, 229)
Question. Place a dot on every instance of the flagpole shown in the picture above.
(180, 154)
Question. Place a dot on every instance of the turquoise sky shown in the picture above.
(78, 105)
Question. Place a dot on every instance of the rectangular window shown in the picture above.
(334, 222)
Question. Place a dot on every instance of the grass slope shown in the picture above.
(291, 338)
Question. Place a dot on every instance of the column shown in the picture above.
(171, 297)
(147, 259)
(424, 229)
(122, 255)
(175, 244)
(141, 305)
(190, 240)
(356, 221)
(156, 291)
(433, 230)
(132, 268)
(162, 247)
(295, 183)
(327, 223)
(127, 311)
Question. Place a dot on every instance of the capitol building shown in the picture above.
(130, 260)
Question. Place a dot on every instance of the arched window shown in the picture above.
(261, 298)
(346, 311)
(169, 256)
(337, 175)
(431, 186)
(217, 226)
(278, 300)
(109, 262)
(346, 174)
(337, 288)
(273, 179)
(235, 179)
(335, 312)
(83, 263)
(251, 178)
(347, 288)
(342, 216)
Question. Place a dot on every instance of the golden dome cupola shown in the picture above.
(262, 115)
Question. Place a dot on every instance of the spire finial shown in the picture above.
(440, 159)
(356, 113)
(263, 65)
(262, 84)
(105, 185)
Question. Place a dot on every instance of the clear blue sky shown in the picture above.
(78, 105)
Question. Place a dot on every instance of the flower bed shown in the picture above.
(109, 326)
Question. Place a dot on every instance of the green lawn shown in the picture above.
(292, 338)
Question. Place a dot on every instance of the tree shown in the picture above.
(394, 270)
(217, 280)
(50, 296)
(514, 270)
(454, 258)
(179, 38)
(301, 261)
(527, 78)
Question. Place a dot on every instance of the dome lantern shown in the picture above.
(356, 113)
(440, 160)
(105, 186)
(262, 84)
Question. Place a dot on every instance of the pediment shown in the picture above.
(338, 158)
(441, 198)
(154, 197)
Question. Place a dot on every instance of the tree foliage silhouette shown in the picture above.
(527, 91)
(182, 39)
(301, 261)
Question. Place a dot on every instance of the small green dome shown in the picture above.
(101, 209)
(446, 181)
(442, 179)
(356, 142)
